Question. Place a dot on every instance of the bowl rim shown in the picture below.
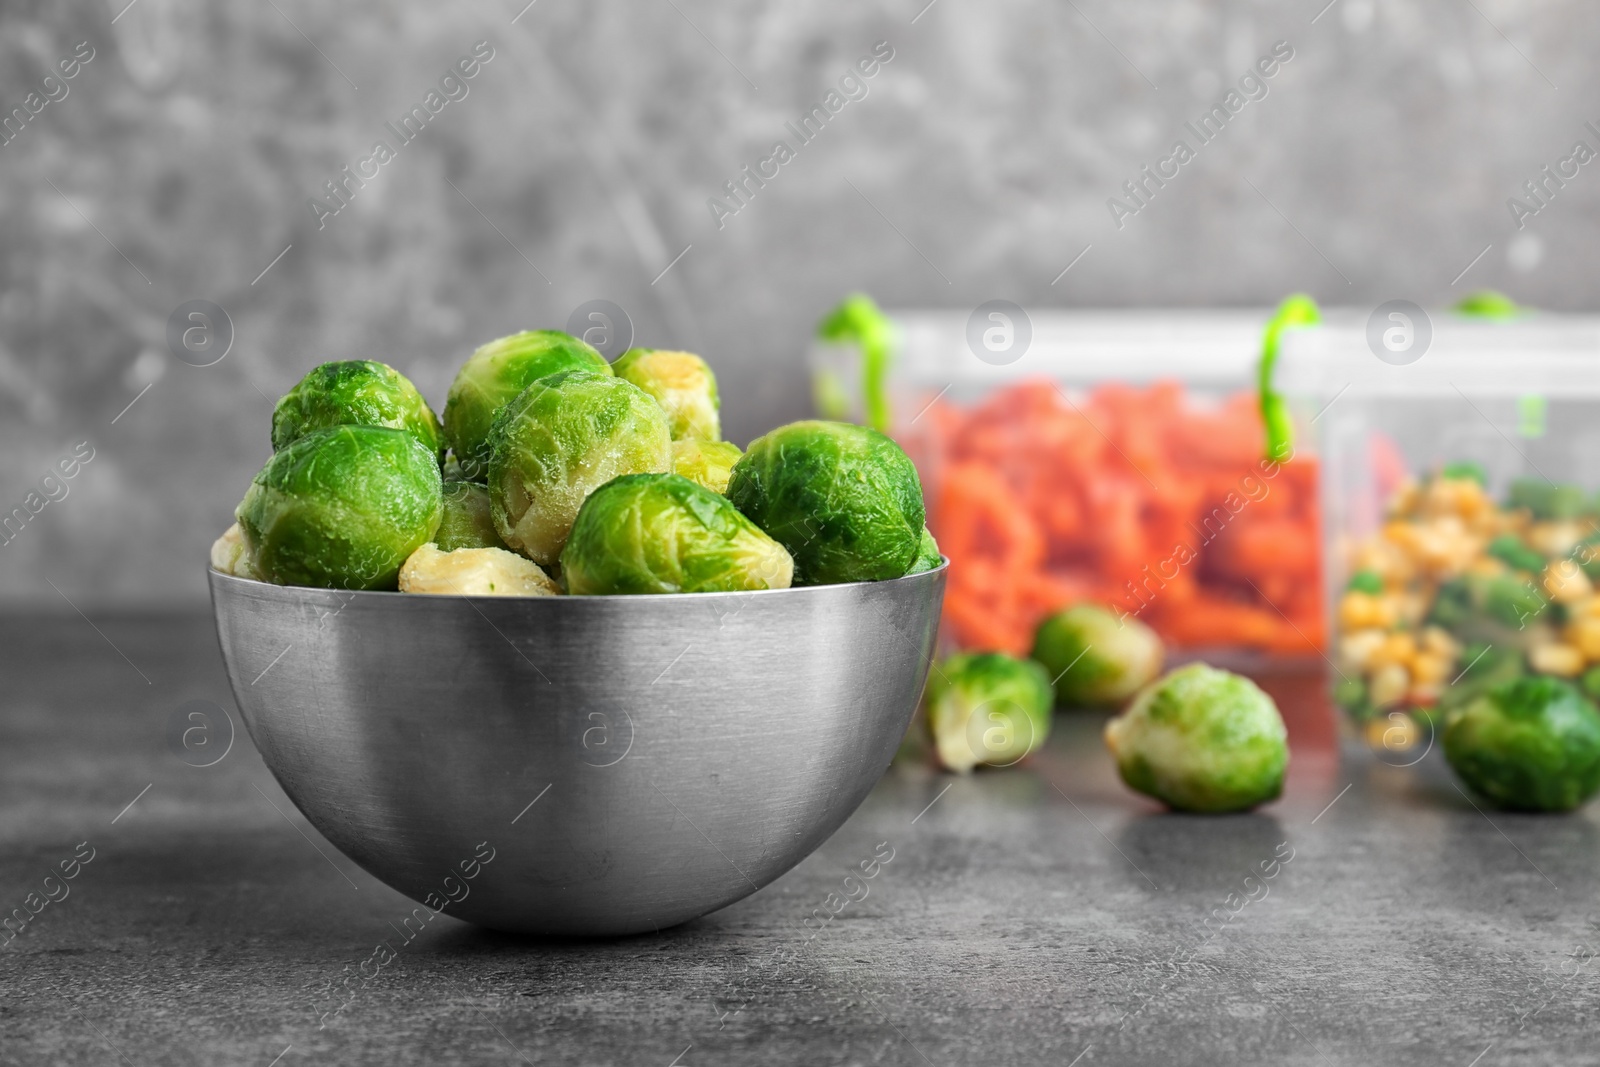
(223, 578)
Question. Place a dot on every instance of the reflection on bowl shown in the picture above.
(578, 765)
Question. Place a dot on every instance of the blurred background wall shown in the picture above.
(179, 164)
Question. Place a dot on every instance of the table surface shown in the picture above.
(1038, 914)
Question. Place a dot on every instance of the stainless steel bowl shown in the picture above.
(624, 763)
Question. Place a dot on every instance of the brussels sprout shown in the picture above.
(661, 533)
(356, 392)
(1201, 739)
(1531, 745)
(230, 555)
(928, 555)
(468, 519)
(844, 500)
(987, 707)
(681, 383)
(1096, 659)
(559, 440)
(496, 373)
(706, 463)
(473, 572)
(342, 508)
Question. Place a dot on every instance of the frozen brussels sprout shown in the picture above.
(1201, 739)
(342, 508)
(681, 383)
(843, 499)
(988, 708)
(230, 555)
(661, 533)
(468, 519)
(1530, 745)
(473, 572)
(1096, 659)
(496, 373)
(559, 440)
(355, 392)
(928, 555)
(707, 463)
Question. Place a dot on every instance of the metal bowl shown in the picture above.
(578, 765)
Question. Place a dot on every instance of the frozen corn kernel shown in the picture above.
(1439, 642)
(1555, 539)
(1395, 732)
(1584, 635)
(1566, 583)
(1430, 667)
(1487, 566)
(1357, 610)
(1356, 648)
(1558, 659)
(1389, 685)
(1398, 648)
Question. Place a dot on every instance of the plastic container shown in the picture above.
(1459, 503)
(1105, 456)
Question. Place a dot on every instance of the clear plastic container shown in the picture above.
(1116, 457)
(1461, 519)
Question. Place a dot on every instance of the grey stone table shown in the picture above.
(1037, 915)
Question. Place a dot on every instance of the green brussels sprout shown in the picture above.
(661, 533)
(706, 463)
(496, 373)
(468, 519)
(342, 508)
(1096, 658)
(1589, 682)
(1531, 745)
(355, 392)
(560, 439)
(988, 708)
(1201, 739)
(928, 555)
(681, 383)
(843, 499)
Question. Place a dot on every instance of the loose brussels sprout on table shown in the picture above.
(356, 392)
(987, 708)
(559, 440)
(681, 383)
(342, 508)
(1532, 745)
(843, 499)
(661, 533)
(1201, 739)
(705, 463)
(468, 519)
(496, 373)
(1096, 659)
(473, 572)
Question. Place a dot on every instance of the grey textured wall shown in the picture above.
(579, 164)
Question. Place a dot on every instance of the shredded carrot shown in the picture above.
(1137, 498)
